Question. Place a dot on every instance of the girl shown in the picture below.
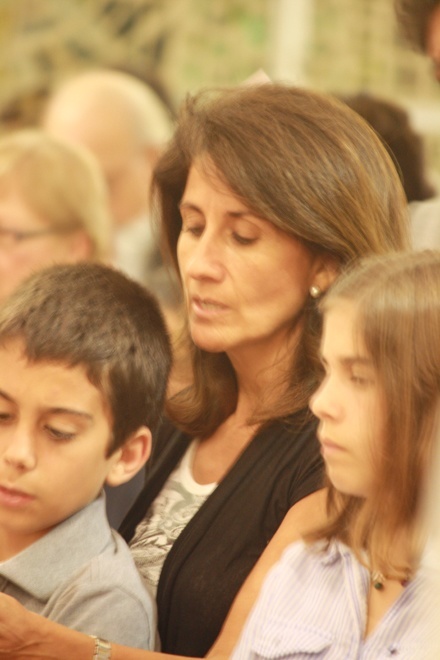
(358, 592)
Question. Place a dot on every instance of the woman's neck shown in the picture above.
(262, 375)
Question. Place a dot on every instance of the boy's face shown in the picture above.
(54, 433)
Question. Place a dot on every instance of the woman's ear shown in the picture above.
(80, 246)
(130, 458)
(326, 272)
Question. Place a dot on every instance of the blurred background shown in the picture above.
(340, 46)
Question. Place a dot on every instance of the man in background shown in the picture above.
(124, 123)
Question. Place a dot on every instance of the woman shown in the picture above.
(359, 591)
(265, 193)
(53, 206)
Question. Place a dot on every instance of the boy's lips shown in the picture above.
(13, 497)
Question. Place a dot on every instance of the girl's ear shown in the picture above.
(130, 458)
(327, 270)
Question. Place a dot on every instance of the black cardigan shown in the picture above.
(216, 551)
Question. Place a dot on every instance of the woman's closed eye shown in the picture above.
(243, 240)
(195, 229)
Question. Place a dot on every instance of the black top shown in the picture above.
(216, 551)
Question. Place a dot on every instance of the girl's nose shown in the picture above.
(323, 403)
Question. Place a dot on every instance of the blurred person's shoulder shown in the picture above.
(425, 223)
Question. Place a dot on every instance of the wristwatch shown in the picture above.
(103, 649)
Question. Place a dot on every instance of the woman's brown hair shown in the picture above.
(304, 162)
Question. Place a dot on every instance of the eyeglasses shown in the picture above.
(13, 237)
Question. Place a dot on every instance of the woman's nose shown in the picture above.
(205, 259)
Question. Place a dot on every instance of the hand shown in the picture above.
(17, 626)
(25, 635)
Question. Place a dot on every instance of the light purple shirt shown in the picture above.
(314, 605)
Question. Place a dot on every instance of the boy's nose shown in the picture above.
(20, 451)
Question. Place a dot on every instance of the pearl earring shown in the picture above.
(315, 291)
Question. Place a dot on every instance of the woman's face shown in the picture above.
(348, 404)
(245, 281)
(27, 243)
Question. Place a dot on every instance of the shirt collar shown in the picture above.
(40, 568)
(333, 552)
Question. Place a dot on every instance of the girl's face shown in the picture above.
(348, 404)
(245, 280)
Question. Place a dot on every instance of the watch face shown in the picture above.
(103, 649)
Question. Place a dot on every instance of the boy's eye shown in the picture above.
(60, 434)
(5, 417)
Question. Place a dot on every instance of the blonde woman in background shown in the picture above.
(53, 206)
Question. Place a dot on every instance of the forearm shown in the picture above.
(307, 514)
(32, 637)
(124, 653)
(28, 636)
(49, 641)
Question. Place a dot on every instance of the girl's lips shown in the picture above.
(13, 498)
(328, 446)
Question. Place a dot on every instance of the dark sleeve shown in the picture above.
(219, 547)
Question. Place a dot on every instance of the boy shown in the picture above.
(84, 361)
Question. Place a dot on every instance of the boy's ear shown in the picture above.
(130, 458)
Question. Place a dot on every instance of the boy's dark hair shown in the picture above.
(93, 316)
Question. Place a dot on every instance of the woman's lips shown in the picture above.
(206, 307)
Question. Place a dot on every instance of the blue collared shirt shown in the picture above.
(81, 574)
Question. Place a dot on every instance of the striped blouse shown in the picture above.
(314, 605)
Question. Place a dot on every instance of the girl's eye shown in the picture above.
(361, 381)
(5, 417)
(59, 434)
